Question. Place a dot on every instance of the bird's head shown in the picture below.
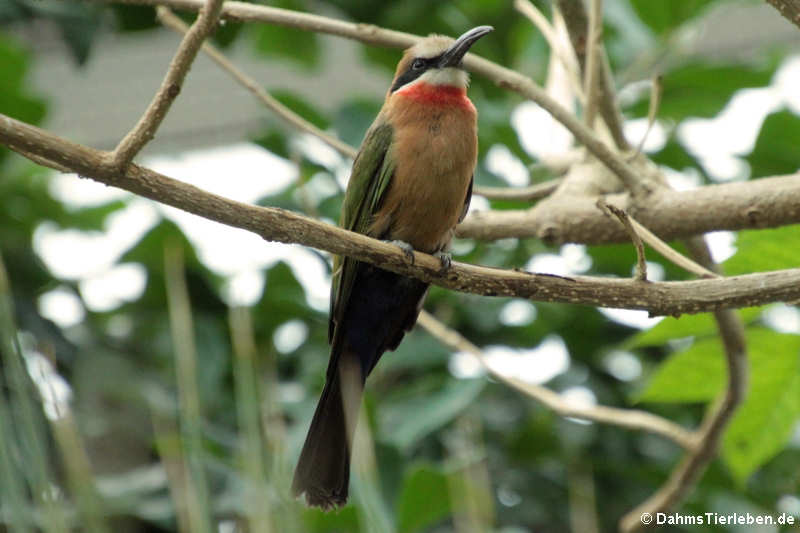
(436, 61)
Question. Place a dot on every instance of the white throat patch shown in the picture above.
(454, 77)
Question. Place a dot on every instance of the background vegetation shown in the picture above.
(174, 409)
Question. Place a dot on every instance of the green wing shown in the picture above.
(369, 179)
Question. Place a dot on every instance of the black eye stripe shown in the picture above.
(417, 68)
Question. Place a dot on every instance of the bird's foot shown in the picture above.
(408, 250)
(445, 258)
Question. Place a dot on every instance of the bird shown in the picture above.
(410, 184)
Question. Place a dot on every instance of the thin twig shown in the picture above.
(641, 263)
(565, 55)
(171, 21)
(592, 75)
(275, 224)
(669, 252)
(656, 88)
(626, 418)
(42, 161)
(145, 128)
(532, 192)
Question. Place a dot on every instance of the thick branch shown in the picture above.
(761, 203)
(274, 224)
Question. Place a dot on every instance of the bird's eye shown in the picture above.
(418, 63)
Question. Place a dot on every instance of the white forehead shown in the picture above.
(431, 46)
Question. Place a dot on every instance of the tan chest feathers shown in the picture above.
(435, 161)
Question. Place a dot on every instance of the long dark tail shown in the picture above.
(382, 307)
(323, 470)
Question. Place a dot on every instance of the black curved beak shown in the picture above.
(453, 55)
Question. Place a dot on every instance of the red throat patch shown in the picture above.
(439, 95)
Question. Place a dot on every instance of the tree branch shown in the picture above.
(636, 239)
(170, 20)
(592, 74)
(685, 475)
(574, 14)
(145, 129)
(754, 204)
(789, 9)
(532, 192)
(274, 224)
(626, 418)
(564, 54)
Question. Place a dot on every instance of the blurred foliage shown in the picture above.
(772, 153)
(665, 17)
(449, 451)
(685, 90)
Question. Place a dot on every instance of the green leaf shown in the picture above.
(766, 249)
(404, 422)
(674, 155)
(78, 26)
(133, 18)
(764, 423)
(702, 90)
(298, 46)
(685, 326)
(78, 23)
(693, 375)
(418, 352)
(354, 118)
(318, 521)
(663, 16)
(424, 499)
(227, 32)
(698, 373)
(275, 139)
(14, 101)
(775, 151)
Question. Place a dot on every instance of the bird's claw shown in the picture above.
(445, 259)
(408, 250)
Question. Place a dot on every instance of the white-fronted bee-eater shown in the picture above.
(411, 183)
